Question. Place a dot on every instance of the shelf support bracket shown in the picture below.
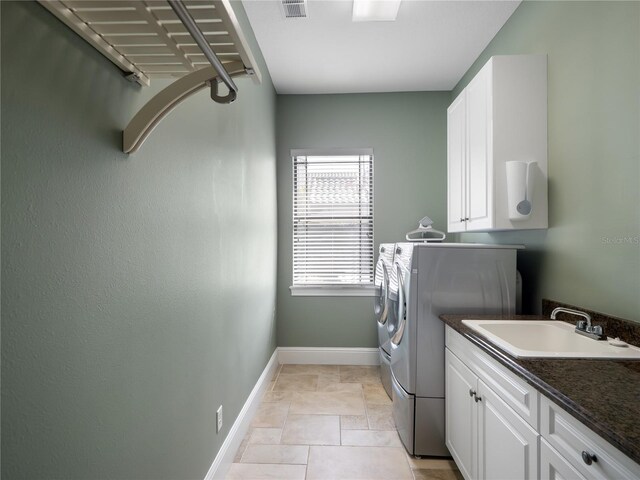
(143, 123)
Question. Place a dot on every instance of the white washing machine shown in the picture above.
(434, 279)
(382, 309)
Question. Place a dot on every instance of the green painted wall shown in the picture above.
(138, 291)
(408, 134)
(590, 255)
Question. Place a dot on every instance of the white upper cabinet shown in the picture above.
(456, 153)
(498, 124)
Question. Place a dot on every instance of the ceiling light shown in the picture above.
(375, 10)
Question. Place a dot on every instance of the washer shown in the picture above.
(382, 310)
(434, 279)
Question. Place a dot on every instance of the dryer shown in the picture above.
(383, 310)
(434, 279)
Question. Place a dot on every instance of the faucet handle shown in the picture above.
(581, 325)
(597, 329)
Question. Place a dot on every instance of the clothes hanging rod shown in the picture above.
(191, 26)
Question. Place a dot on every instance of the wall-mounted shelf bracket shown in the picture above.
(143, 123)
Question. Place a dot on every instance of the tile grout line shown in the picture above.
(366, 411)
(277, 377)
(306, 467)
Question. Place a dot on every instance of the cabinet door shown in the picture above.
(460, 414)
(479, 200)
(553, 466)
(507, 445)
(456, 153)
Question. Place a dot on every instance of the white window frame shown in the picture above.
(331, 290)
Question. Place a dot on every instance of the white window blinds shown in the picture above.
(333, 219)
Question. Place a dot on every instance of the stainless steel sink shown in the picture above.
(547, 338)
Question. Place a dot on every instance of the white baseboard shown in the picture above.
(227, 452)
(329, 355)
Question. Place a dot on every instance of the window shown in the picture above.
(332, 222)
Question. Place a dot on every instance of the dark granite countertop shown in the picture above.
(602, 394)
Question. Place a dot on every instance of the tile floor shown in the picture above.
(329, 422)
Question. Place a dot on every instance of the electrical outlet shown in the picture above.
(219, 419)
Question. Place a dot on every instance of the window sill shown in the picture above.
(332, 291)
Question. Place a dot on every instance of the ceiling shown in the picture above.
(429, 47)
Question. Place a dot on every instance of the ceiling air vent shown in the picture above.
(294, 8)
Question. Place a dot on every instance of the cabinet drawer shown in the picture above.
(570, 438)
(514, 391)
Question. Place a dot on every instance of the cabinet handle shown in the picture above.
(466, 219)
(477, 399)
(588, 458)
(462, 219)
(471, 393)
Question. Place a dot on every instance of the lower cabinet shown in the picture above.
(500, 428)
(507, 445)
(486, 438)
(461, 414)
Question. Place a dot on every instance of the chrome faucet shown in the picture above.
(583, 327)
